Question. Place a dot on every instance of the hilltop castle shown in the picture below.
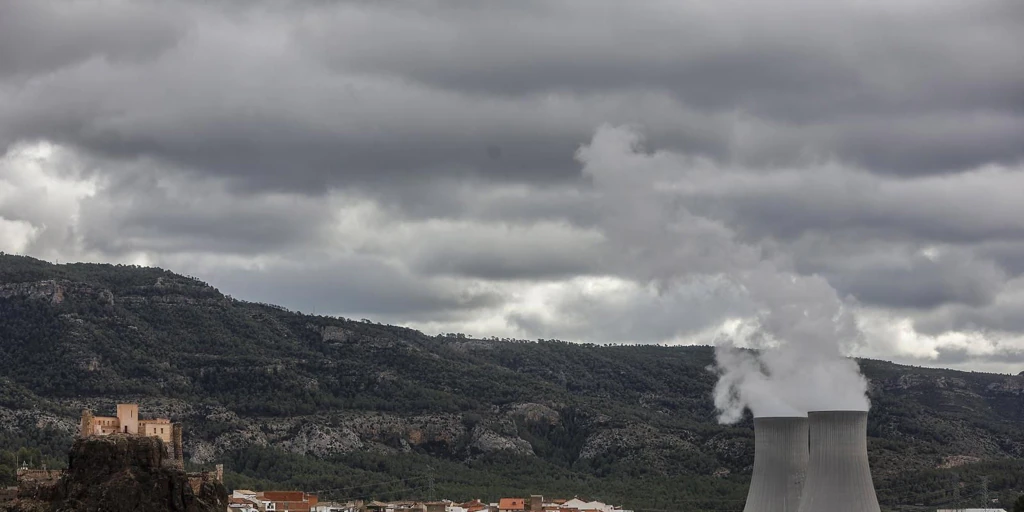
(128, 421)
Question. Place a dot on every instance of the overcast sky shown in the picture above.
(590, 170)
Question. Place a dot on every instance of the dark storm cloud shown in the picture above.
(1002, 315)
(920, 282)
(418, 158)
(353, 286)
(142, 212)
(836, 70)
(966, 208)
(544, 252)
(336, 131)
(761, 57)
(953, 356)
(38, 37)
(246, 94)
(1008, 255)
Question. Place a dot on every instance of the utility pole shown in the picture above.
(430, 483)
(956, 491)
(984, 492)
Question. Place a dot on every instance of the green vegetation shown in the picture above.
(10, 460)
(629, 424)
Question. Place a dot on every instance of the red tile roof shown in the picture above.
(512, 504)
(284, 495)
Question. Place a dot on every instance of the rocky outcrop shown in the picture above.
(122, 473)
(638, 442)
(536, 413)
(334, 333)
(953, 461)
(485, 440)
(321, 440)
(51, 291)
(56, 291)
(1009, 385)
(21, 421)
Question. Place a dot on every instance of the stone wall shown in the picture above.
(178, 454)
(87, 427)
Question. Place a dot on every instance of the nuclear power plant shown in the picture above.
(780, 465)
(813, 464)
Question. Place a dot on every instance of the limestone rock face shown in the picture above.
(486, 441)
(323, 441)
(122, 473)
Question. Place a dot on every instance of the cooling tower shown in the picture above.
(780, 463)
(838, 476)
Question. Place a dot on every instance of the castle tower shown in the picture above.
(179, 454)
(128, 416)
(87, 427)
(220, 472)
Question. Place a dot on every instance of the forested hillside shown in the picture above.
(357, 409)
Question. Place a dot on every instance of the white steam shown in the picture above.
(802, 329)
(800, 335)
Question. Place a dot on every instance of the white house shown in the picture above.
(329, 506)
(971, 510)
(579, 504)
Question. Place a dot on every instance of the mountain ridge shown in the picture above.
(326, 403)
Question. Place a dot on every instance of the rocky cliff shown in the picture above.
(121, 473)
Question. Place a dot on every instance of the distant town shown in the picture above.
(128, 422)
(783, 447)
(242, 500)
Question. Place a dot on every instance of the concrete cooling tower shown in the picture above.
(780, 464)
(838, 476)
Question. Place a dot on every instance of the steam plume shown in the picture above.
(802, 327)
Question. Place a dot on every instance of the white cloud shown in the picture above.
(41, 190)
(16, 235)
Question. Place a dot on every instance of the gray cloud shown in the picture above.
(836, 74)
(999, 316)
(39, 37)
(354, 286)
(954, 356)
(423, 157)
(142, 212)
(248, 96)
(509, 252)
(921, 282)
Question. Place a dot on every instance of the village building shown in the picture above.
(244, 500)
(236, 504)
(288, 501)
(406, 506)
(330, 506)
(471, 506)
(512, 505)
(589, 506)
